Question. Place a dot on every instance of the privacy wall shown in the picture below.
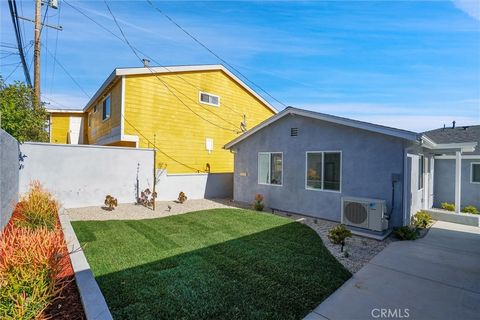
(9, 155)
(82, 175)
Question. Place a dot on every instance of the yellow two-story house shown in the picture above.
(188, 113)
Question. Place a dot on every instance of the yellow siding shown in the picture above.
(99, 127)
(59, 127)
(153, 110)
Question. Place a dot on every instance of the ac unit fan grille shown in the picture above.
(355, 212)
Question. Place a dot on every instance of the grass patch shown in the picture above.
(213, 264)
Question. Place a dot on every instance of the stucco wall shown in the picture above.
(195, 186)
(82, 175)
(444, 183)
(9, 167)
(368, 162)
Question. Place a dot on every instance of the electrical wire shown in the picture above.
(68, 73)
(18, 35)
(152, 72)
(158, 63)
(212, 52)
(156, 148)
(56, 46)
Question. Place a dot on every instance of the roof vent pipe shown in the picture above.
(146, 63)
(453, 124)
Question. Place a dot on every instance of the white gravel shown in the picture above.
(360, 250)
(136, 212)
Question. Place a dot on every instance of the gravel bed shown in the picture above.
(126, 211)
(358, 251)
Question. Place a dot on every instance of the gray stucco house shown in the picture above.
(444, 167)
(316, 164)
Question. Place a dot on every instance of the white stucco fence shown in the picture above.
(82, 175)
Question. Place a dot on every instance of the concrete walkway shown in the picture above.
(437, 277)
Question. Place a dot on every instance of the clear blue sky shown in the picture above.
(408, 64)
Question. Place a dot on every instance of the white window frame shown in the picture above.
(471, 172)
(323, 170)
(110, 114)
(269, 168)
(208, 103)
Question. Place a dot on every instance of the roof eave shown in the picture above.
(403, 134)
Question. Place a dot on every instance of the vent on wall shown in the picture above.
(293, 132)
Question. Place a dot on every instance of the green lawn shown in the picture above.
(214, 264)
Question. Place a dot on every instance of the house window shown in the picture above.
(421, 170)
(106, 108)
(323, 171)
(95, 109)
(475, 173)
(270, 168)
(209, 144)
(209, 99)
(90, 120)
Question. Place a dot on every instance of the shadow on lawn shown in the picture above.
(279, 273)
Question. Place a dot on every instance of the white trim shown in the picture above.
(323, 171)
(64, 111)
(269, 168)
(399, 133)
(464, 157)
(458, 181)
(471, 173)
(208, 103)
(157, 70)
(130, 138)
(50, 128)
(407, 188)
(122, 107)
(462, 146)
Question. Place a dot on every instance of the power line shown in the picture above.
(151, 71)
(212, 52)
(13, 71)
(68, 73)
(56, 46)
(18, 35)
(161, 151)
(166, 68)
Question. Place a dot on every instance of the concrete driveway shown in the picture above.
(437, 277)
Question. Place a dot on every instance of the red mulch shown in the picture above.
(67, 305)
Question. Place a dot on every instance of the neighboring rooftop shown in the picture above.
(455, 134)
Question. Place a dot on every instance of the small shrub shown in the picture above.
(182, 197)
(448, 206)
(406, 233)
(470, 209)
(30, 264)
(147, 198)
(110, 202)
(37, 208)
(338, 235)
(258, 203)
(421, 219)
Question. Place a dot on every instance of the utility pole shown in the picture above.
(36, 54)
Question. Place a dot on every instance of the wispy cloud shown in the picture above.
(470, 7)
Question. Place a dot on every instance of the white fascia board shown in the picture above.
(399, 133)
(464, 157)
(64, 110)
(97, 94)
